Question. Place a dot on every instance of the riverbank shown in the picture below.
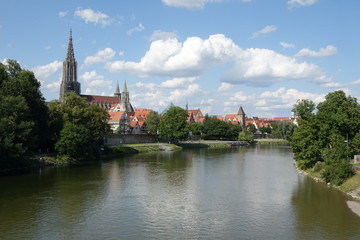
(351, 186)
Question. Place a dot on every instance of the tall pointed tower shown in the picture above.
(241, 116)
(117, 91)
(69, 79)
(125, 100)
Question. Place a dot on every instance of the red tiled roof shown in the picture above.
(101, 99)
(116, 116)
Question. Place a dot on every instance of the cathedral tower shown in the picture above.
(69, 79)
(125, 100)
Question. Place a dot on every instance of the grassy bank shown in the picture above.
(272, 142)
(351, 186)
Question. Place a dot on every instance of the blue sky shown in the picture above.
(214, 54)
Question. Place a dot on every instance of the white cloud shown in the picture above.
(101, 56)
(90, 16)
(332, 85)
(191, 4)
(301, 3)
(53, 87)
(263, 67)
(63, 14)
(139, 28)
(284, 98)
(239, 98)
(355, 83)
(45, 71)
(287, 45)
(225, 87)
(178, 82)
(178, 94)
(172, 58)
(265, 30)
(253, 66)
(47, 47)
(121, 53)
(323, 52)
(161, 35)
(96, 83)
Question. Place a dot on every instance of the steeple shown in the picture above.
(70, 52)
(117, 91)
(125, 87)
(69, 79)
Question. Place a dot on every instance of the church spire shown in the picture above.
(69, 79)
(125, 87)
(70, 52)
(117, 91)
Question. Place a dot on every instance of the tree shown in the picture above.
(152, 122)
(18, 82)
(173, 124)
(75, 142)
(194, 129)
(15, 131)
(87, 124)
(246, 135)
(304, 109)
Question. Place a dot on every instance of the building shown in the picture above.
(69, 83)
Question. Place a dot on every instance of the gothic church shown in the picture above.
(69, 83)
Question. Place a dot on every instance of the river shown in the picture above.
(239, 193)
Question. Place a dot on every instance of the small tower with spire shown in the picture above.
(241, 116)
(125, 100)
(117, 91)
(69, 79)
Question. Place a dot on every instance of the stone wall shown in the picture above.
(130, 138)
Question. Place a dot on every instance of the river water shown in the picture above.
(241, 193)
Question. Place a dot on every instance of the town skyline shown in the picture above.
(213, 55)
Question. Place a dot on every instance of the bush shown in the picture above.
(318, 166)
(337, 173)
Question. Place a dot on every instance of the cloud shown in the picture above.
(178, 82)
(45, 71)
(161, 35)
(323, 52)
(54, 86)
(63, 14)
(179, 94)
(287, 45)
(139, 28)
(171, 58)
(265, 30)
(90, 16)
(191, 4)
(264, 67)
(284, 98)
(96, 83)
(300, 3)
(239, 98)
(101, 56)
(253, 66)
(225, 87)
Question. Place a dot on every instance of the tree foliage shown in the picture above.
(152, 122)
(330, 135)
(23, 113)
(74, 118)
(173, 124)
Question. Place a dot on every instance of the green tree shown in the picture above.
(246, 135)
(89, 123)
(304, 109)
(173, 124)
(75, 142)
(194, 129)
(15, 131)
(18, 82)
(152, 122)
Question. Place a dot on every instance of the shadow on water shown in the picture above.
(321, 212)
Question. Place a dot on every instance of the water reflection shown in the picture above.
(247, 193)
(322, 213)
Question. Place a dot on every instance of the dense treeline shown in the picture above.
(327, 140)
(28, 126)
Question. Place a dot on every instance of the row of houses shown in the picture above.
(134, 122)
